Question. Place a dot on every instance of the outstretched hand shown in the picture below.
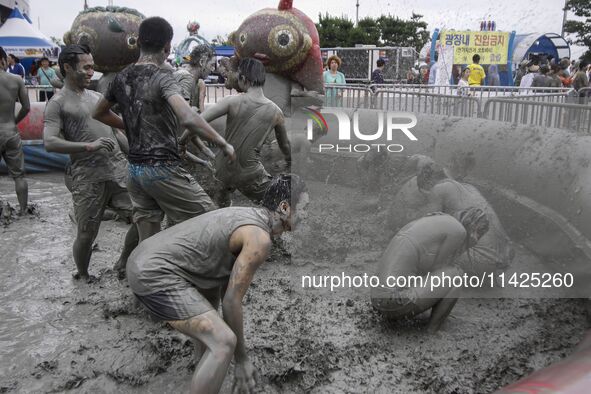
(245, 378)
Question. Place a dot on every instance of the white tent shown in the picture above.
(19, 37)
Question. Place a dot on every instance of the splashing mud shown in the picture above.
(57, 335)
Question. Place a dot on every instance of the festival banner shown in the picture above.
(492, 46)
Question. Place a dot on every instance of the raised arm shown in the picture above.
(23, 98)
(103, 113)
(254, 244)
(196, 125)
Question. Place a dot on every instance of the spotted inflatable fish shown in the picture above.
(286, 41)
(111, 33)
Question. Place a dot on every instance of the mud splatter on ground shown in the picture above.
(58, 335)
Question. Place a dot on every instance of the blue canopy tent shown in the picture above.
(20, 38)
(224, 50)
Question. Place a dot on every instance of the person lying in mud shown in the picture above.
(98, 166)
(428, 246)
(250, 119)
(493, 252)
(181, 273)
(153, 109)
(12, 88)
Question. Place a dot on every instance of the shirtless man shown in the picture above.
(180, 275)
(426, 246)
(152, 106)
(250, 119)
(99, 168)
(12, 88)
(493, 252)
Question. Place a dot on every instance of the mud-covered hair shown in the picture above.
(198, 52)
(472, 218)
(3, 55)
(154, 33)
(252, 70)
(284, 187)
(430, 173)
(69, 55)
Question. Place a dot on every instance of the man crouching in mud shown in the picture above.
(250, 119)
(426, 247)
(99, 167)
(181, 273)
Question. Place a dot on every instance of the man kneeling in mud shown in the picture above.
(426, 247)
(493, 252)
(181, 273)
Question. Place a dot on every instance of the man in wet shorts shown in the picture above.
(182, 272)
(425, 247)
(153, 109)
(98, 166)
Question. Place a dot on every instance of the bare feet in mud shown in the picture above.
(119, 269)
(87, 278)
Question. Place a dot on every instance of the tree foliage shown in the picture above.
(386, 30)
(582, 28)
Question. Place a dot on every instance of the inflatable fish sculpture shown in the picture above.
(111, 33)
(286, 41)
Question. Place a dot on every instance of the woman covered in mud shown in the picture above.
(426, 247)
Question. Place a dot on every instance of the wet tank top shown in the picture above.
(195, 251)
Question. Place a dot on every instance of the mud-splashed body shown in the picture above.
(110, 33)
(286, 41)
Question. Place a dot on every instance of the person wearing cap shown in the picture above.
(46, 74)
(528, 79)
(477, 74)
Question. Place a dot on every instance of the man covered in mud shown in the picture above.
(152, 106)
(198, 65)
(493, 252)
(98, 166)
(180, 275)
(250, 119)
(12, 88)
(426, 247)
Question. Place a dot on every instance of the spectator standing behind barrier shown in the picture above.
(528, 79)
(333, 77)
(580, 79)
(554, 76)
(477, 74)
(15, 67)
(377, 76)
(45, 74)
(564, 75)
(541, 80)
(520, 73)
(493, 75)
(423, 74)
(433, 70)
(463, 85)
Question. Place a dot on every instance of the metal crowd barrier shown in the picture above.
(216, 91)
(427, 102)
(33, 91)
(574, 117)
(347, 96)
